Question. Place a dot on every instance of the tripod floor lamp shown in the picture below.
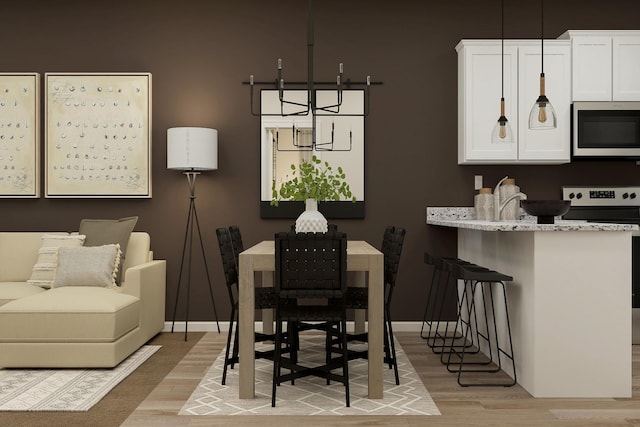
(192, 150)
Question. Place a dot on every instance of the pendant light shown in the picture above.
(502, 132)
(542, 115)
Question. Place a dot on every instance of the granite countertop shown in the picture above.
(464, 217)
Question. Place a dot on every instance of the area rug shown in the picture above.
(64, 389)
(311, 396)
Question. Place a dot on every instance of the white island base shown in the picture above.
(569, 306)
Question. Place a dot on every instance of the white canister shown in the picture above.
(483, 203)
(511, 211)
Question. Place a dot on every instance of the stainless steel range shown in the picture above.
(616, 205)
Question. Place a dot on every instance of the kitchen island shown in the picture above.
(569, 302)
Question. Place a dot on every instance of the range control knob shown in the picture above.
(632, 195)
(579, 196)
(625, 196)
(572, 195)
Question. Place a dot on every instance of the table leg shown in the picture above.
(358, 279)
(376, 319)
(246, 319)
(267, 314)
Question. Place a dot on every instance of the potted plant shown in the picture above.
(313, 181)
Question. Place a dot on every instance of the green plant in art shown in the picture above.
(313, 179)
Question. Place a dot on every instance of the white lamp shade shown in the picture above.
(192, 148)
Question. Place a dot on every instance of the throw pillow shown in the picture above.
(109, 231)
(88, 266)
(44, 270)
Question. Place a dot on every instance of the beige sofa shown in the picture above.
(76, 326)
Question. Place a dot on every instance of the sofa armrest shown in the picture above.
(148, 281)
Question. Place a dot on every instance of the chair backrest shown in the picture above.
(236, 242)
(310, 265)
(392, 243)
(229, 262)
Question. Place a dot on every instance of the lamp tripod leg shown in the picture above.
(206, 267)
(184, 251)
(191, 213)
(188, 237)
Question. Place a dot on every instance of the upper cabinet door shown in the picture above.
(591, 68)
(548, 144)
(626, 68)
(479, 89)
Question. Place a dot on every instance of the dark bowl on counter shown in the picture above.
(545, 210)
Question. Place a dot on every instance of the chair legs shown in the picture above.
(300, 371)
(234, 358)
(390, 347)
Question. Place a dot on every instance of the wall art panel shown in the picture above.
(19, 135)
(98, 135)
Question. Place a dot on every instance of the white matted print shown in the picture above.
(98, 137)
(19, 135)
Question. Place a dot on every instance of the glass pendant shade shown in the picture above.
(542, 115)
(502, 133)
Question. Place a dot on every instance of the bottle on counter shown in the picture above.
(483, 203)
(511, 211)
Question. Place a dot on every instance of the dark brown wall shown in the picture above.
(199, 52)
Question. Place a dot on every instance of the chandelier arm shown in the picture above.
(367, 97)
(253, 113)
(288, 83)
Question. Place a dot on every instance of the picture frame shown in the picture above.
(19, 135)
(279, 122)
(98, 135)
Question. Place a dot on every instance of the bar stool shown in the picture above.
(443, 284)
(476, 277)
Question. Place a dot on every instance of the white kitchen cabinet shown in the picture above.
(606, 65)
(479, 79)
(626, 68)
(548, 145)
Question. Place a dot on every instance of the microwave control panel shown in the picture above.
(602, 196)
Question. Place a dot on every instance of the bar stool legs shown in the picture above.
(474, 345)
(443, 287)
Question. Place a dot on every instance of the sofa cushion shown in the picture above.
(10, 291)
(107, 231)
(88, 266)
(44, 270)
(70, 314)
(19, 252)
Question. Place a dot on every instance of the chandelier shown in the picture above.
(306, 139)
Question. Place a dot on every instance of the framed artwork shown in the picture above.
(19, 135)
(286, 139)
(98, 135)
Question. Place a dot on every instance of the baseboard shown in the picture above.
(210, 326)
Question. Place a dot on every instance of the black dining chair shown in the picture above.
(358, 298)
(312, 269)
(230, 243)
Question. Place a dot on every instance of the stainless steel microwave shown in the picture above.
(608, 130)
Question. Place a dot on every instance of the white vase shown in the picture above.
(311, 220)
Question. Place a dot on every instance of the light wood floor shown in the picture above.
(471, 406)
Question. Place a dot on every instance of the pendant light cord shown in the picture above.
(502, 46)
(542, 35)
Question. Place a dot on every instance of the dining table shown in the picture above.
(362, 257)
